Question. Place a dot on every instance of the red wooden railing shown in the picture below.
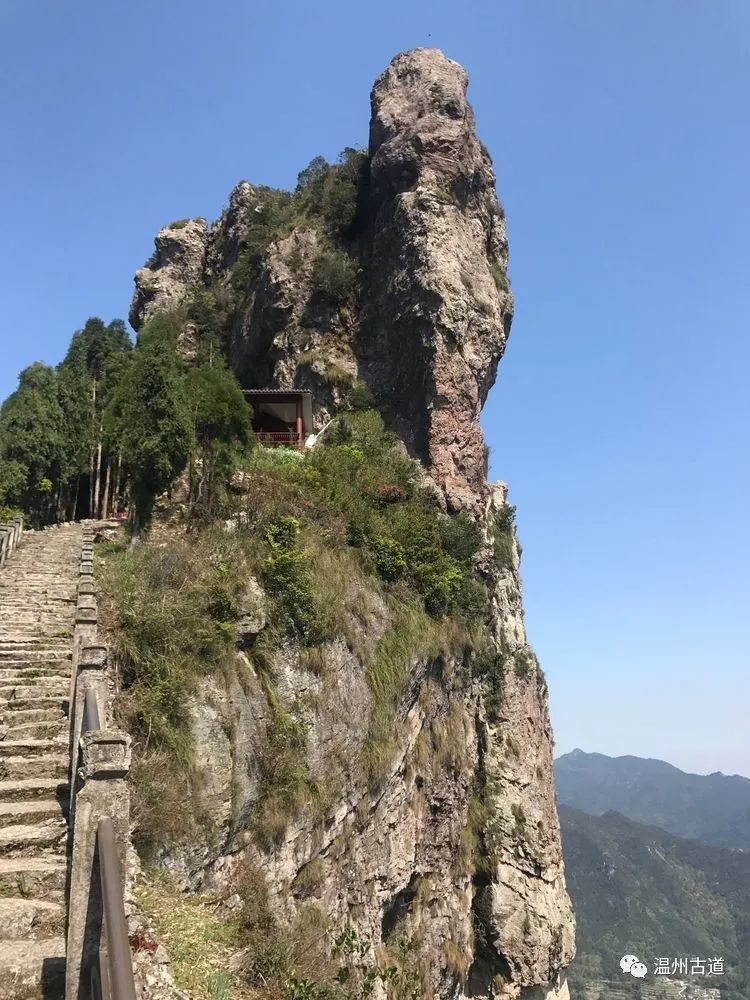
(280, 437)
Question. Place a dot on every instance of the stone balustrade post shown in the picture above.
(90, 674)
(102, 792)
(85, 631)
(10, 538)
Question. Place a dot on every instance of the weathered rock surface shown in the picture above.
(177, 263)
(399, 860)
(252, 609)
(284, 337)
(437, 306)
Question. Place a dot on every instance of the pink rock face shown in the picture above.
(437, 307)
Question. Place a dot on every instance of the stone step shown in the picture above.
(22, 626)
(26, 625)
(32, 748)
(43, 766)
(30, 919)
(27, 695)
(19, 654)
(27, 673)
(23, 789)
(32, 970)
(27, 839)
(30, 877)
(52, 711)
(36, 730)
(30, 811)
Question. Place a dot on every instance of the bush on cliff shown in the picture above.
(360, 490)
(169, 612)
(333, 191)
(335, 278)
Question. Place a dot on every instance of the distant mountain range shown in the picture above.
(713, 808)
(638, 890)
(640, 886)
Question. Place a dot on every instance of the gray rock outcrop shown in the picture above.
(178, 262)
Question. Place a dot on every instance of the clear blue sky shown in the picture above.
(620, 137)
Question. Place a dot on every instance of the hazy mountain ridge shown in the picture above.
(712, 808)
(637, 889)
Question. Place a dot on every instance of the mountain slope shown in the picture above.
(713, 808)
(639, 890)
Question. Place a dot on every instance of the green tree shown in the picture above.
(222, 428)
(31, 444)
(332, 191)
(341, 192)
(150, 417)
(89, 374)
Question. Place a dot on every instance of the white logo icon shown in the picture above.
(633, 965)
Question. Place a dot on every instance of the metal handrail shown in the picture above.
(91, 720)
(117, 972)
(110, 974)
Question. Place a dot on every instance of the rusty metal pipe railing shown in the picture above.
(118, 975)
(91, 719)
(110, 974)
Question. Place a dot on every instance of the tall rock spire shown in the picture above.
(437, 305)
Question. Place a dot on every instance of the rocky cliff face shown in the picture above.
(437, 307)
(456, 847)
(177, 263)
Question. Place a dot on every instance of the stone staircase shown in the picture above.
(37, 615)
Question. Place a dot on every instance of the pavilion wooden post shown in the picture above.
(300, 442)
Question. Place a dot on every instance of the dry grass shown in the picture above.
(200, 943)
(411, 634)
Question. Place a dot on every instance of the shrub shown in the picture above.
(283, 533)
(335, 278)
(340, 193)
(389, 558)
(332, 191)
(504, 543)
(461, 537)
(168, 612)
(440, 582)
(524, 662)
(489, 666)
(277, 216)
(360, 398)
(499, 277)
(390, 493)
(286, 575)
(285, 782)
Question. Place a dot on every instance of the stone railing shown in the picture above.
(10, 536)
(99, 964)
